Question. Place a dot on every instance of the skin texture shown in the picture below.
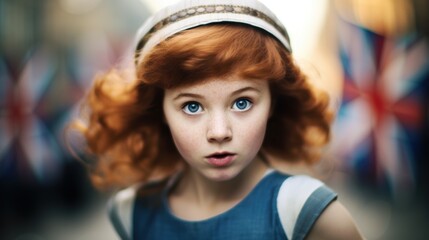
(228, 115)
(335, 223)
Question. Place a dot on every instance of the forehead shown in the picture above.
(221, 85)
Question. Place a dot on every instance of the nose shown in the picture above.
(219, 128)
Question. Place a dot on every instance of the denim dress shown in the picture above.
(262, 214)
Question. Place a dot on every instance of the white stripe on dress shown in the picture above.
(292, 196)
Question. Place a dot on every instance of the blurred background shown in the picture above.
(371, 56)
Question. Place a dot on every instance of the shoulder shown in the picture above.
(309, 209)
(122, 204)
(304, 192)
(301, 200)
(120, 211)
(335, 223)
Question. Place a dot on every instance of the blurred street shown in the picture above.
(371, 57)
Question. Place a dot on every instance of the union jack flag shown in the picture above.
(379, 134)
(26, 144)
(36, 102)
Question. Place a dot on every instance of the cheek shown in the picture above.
(184, 138)
(252, 135)
(182, 133)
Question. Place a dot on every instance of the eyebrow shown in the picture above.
(195, 95)
(191, 95)
(245, 89)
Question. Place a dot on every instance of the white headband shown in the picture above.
(192, 13)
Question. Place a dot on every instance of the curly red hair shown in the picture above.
(126, 128)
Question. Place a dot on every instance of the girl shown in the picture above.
(192, 132)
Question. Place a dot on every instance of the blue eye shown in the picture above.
(192, 108)
(242, 104)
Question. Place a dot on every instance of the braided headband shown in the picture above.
(192, 13)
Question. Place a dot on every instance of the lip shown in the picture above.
(220, 159)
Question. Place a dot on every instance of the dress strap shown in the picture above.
(120, 208)
(300, 201)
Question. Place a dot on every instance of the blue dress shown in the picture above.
(262, 214)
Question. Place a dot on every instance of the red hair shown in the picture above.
(126, 127)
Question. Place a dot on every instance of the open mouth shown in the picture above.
(220, 155)
(220, 159)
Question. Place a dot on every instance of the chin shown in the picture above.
(221, 175)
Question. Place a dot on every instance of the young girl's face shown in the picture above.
(218, 126)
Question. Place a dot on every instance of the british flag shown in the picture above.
(37, 99)
(379, 132)
(28, 149)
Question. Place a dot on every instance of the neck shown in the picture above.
(208, 193)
